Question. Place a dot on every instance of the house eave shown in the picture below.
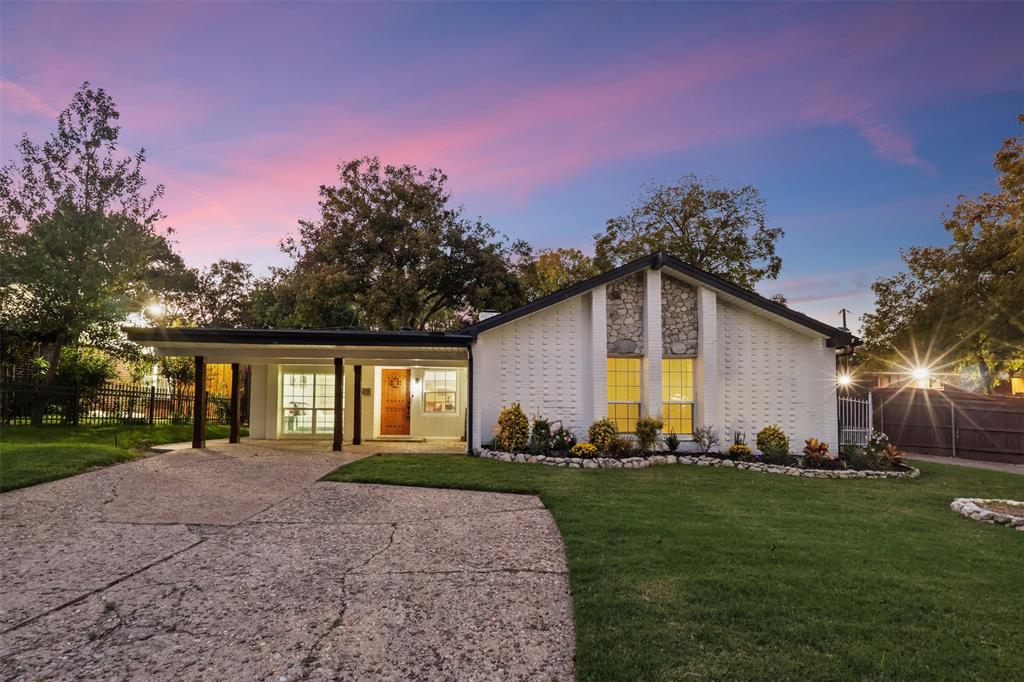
(835, 337)
(296, 337)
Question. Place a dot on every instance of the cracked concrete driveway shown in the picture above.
(235, 563)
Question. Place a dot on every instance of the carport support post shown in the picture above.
(236, 403)
(339, 404)
(357, 405)
(199, 405)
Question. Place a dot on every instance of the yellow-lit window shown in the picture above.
(1017, 385)
(677, 395)
(624, 393)
(439, 386)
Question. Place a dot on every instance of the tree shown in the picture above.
(554, 269)
(720, 230)
(959, 306)
(218, 296)
(79, 242)
(390, 246)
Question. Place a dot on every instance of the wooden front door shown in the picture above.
(394, 402)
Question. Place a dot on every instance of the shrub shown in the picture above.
(602, 433)
(540, 436)
(583, 450)
(647, 432)
(706, 438)
(621, 447)
(562, 439)
(739, 451)
(87, 368)
(879, 453)
(817, 455)
(672, 442)
(773, 444)
(513, 427)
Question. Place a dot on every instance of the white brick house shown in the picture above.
(653, 337)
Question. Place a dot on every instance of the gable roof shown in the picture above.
(836, 337)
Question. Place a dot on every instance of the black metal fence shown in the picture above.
(109, 404)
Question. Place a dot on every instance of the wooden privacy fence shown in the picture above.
(109, 404)
(952, 423)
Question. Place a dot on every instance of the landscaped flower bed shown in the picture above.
(901, 471)
(606, 448)
(1004, 512)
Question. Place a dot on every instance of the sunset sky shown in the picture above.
(859, 123)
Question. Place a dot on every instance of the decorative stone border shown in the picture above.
(972, 509)
(699, 460)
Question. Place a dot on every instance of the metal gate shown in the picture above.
(855, 415)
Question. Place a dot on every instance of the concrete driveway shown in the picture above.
(235, 563)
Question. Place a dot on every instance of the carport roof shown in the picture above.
(298, 337)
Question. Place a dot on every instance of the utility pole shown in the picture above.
(844, 312)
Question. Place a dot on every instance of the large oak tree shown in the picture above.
(718, 229)
(80, 242)
(961, 307)
(390, 250)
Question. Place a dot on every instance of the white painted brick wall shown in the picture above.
(771, 374)
(653, 349)
(596, 305)
(752, 370)
(543, 361)
(708, 403)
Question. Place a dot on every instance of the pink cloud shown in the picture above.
(20, 100)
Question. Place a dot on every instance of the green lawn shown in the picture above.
(30, 455)
(684, 572)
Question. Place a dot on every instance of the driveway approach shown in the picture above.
(235, 563)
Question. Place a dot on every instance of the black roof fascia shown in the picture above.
(559, 296)
(837, 337)
(319, 337)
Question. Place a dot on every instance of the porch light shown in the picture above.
(920, 373)
(845, 380)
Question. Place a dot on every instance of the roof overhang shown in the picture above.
(834, 336)
(302, 346)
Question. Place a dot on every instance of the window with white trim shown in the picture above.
(307, 401)
(677, 396)
(440, 391)
(624, 393)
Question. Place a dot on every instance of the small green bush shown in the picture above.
(540, 436)
(672, 442)
(602, 434)
(773, 443)
(562, 439)
(513, 429)
(647, 432)
(621, 447)
(706, 438)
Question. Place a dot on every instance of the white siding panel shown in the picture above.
(543, 361)
(771, 374)
(258, 403)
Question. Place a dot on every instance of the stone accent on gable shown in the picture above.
(678, 317)
(625, 311)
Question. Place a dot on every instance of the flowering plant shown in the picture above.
(583, 450)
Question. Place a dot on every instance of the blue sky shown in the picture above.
(859, 123)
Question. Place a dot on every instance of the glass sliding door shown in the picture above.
(307, 402)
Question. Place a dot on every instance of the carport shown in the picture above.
(330, 364)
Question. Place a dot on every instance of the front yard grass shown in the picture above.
(684, 572)
(31, 455)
